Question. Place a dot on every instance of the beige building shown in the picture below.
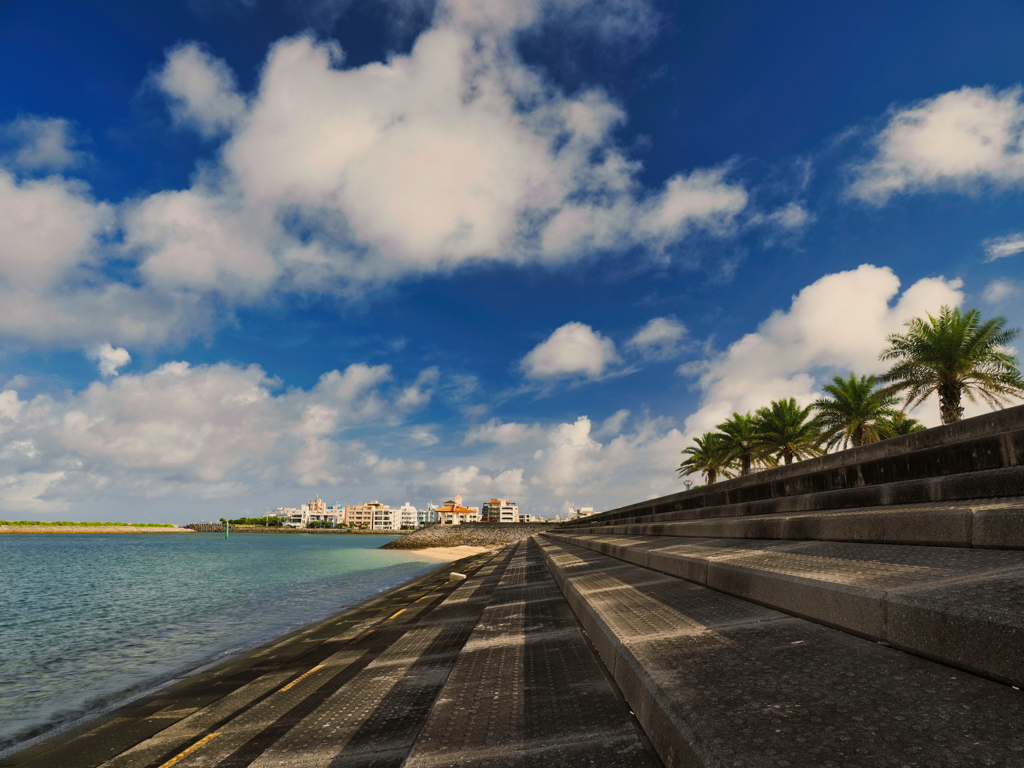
(499, 511)
(361, 515)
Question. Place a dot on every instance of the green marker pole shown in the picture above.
(227, 527)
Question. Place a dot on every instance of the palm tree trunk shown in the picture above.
(789, 457)
(949, 403)
(712, 476)
(745, 464)
(857, 438)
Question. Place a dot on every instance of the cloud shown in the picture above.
(417, 394)
(44, 144)
(424, 435)
(659, 339)
(333, 179)
(835, 325)
(52, 287)
(454, 153)
(573, 350)
(959, 141)
(197, 435)
(110, 358)
(498, 433)
(792, 216)
(201, 90)
(1001, 290)
(1001, 247)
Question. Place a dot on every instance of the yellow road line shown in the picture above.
(300, 678)
(182, 755)
(395, 614)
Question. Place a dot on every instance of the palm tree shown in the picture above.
(739, 432)
(900, 424)
(855, 413)
(785, 431)
(954, 354)
(709, 456)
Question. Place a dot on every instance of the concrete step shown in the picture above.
(985, 523)
(1007, 483)
(962, 607)
(527, 689)
(720, 681)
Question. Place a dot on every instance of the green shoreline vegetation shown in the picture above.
(91, 525)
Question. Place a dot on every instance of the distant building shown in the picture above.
(290, 517)
(578, 512)
(453, 513)
(427, 516)
(409, 517)
(386, 519)
(361, 515)
(499, 511)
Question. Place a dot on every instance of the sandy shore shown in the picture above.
(448, 554)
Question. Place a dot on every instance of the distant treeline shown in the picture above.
(64, 522)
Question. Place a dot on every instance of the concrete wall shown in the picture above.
(975, 458)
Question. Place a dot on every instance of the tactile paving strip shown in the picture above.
(527, 689)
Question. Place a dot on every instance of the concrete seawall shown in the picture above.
(469, 535)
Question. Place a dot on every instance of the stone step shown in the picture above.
(720, 681)
(962, 607)
(992, 484)
(986, 523)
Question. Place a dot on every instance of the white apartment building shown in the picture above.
(499, 511)
(578, 512)
(409, 516)
(427, 516)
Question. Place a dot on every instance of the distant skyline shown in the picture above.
(256, 250)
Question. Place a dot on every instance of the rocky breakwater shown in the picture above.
(469, 535)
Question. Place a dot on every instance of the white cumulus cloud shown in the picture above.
(659, 339)
(835, 325)
(959, 141)
(43, 144)
(573, 350)
(201, 89)
(110, 358)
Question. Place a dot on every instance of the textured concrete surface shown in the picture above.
(964, 607)
(718, 681)
(988, 523)
(527, 688)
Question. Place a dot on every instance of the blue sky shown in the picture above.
(258, 250)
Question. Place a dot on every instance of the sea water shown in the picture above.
(88, 620)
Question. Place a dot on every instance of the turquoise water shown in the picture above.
(87, 619)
